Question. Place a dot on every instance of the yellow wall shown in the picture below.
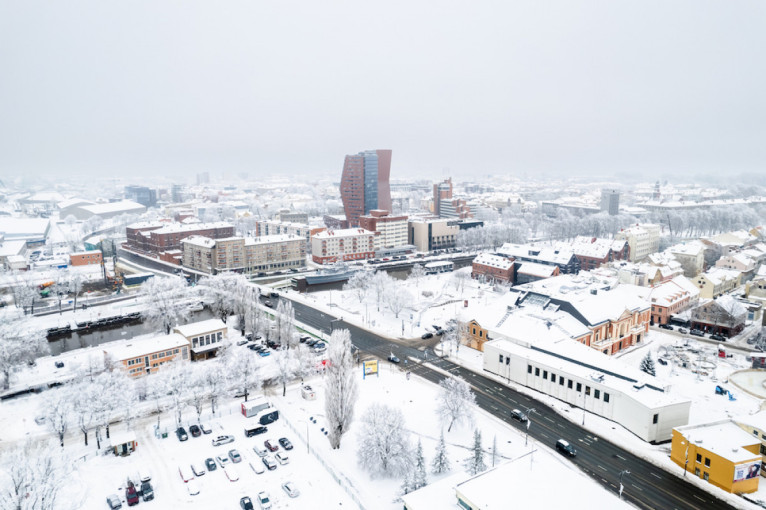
(720, 471)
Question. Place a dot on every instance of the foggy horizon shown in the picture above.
(651, 90)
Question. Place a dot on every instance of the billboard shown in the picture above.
(746, 471)
(370, 367)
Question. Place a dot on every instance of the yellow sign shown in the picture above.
(370, 367)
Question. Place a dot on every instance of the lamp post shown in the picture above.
(623, 472)
(583, 408)
(529, 422)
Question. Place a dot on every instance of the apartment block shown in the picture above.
(329, 246)
(390, 231)
(642, 239)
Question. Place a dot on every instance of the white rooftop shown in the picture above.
(346, 232)
(488, 259)
(198, 328)
(142, 346)
(724, 438)
(113, 207)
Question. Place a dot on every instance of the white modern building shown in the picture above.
(330, 246)
(642, 239)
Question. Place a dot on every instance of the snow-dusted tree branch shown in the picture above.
(384, 447)
(165, 301)
(456, 402)
(341, 389)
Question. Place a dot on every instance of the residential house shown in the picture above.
(725, 316)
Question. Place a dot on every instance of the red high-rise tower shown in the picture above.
(364, 184)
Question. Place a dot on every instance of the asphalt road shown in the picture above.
(647, 485)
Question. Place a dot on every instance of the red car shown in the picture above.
(271, 445)
(131, 495)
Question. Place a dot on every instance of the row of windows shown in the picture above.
(569, 383)
(207, 339)
(699, 460)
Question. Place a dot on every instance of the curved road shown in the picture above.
(647, 485)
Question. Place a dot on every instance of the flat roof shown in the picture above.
(142, 346)
(724, 438)
(198, 328)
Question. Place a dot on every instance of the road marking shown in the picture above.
(549, 419)
(655, 475)
(494, 407)
(601, 467)
(620, 457)
(561, 426)
(542, 434)
(637, 487)
(704, 501)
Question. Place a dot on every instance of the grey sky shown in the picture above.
(158, 86)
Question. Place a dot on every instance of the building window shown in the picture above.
(545, 374)
(655, 418)
(606, 397)
(537, 372)
(569, 385)
(579, 386)
(763, 449)
(561, 381)
(596, 393)
(529, 369)
(699, 457)
(706, 476)
(501, 358)
(553, 377)
(587, 390)
(707, 462)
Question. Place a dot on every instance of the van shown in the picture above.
(255, 431)
(269, 417)
(565, 448)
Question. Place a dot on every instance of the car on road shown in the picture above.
(269, 462)
(282, 458)
(263, 500)
(181, 433)
(246, 503)
(195, 431)
(666, 326)
(274, 294)
(565, 448)
(517, 415)
(696, 332)
(662, 361)
(210, 464)
(114, 502)
(218, 441)
(205, 429)
(260, 451)
(291, 489)
(223, 461)
(197, 469)
(427, 335)
(193, 487)
(683, 331)
(131, 494)
(268, 303)
(257, 467)
(271, 445)
(716, 336)
(286, 444)
(235, 456)
(393, 359)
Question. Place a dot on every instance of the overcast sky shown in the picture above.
(145, 87)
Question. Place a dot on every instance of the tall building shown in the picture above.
(364, 184)
(610, 201)
(445, 206)
(141, 194)
(390, 231)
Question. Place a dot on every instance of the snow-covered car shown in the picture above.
(197, 469)
(269, 462)
(205, 429)
(181, 433)
(114, 502)
(235, 456)
(260, 451)
(282, 458)
(195, 431)
(257, 468)
(291, 489)
(271, 445)
(185, 473)
(263, 500)
(218, 441)
(286, 444)
(223, 460)
(246, 503)
(193, 487)
(147, 492)
(231, 473)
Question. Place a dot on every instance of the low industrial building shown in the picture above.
(85, 258)
(144, 356)
(491, 268)
(204, 337)
(582, 378)
(720, 453)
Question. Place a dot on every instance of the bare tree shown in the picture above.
(20, 344)
(34, 478)
(165, 306)
(75, 287)
(341, 389)
(384, 447)
(57, 408)
(285, 362)
(359, 284)
(456, 402)
(416, 274)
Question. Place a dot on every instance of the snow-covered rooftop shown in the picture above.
(724, 438)
(346, 232)
(490, 260)
(114, 207)
(198, 328)
(142, 346)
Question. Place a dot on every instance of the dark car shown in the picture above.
(255, 431)
(518, 415)
(271, 445)
(268, 303)
(305, 339)
(662, 361)
(147, 493)
(393, 359)
(697, 332)
(181, 433)
(131, 495)
(718, 337)
(426, 336)
(286, 444)
(311, 342)
(274, 294)
(246, 503)
(195, 431)
(210, 464)
(565, 448)
(666, 326)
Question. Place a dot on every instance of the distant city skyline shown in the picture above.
(655, 89)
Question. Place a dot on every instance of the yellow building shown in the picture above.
(755, 424)
(719, 452)
(144, 356)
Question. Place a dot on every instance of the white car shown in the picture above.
(260, 450)
(218, 441)
(257, 467)
(282, 458)
(231, 473)
(192, 487)
(263, 500)
(223, 460)
(197, 469)
(291, 489)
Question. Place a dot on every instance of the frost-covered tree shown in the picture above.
(199, 391)
(20, 343)
(85, 393)
(178, 377)
(284, 360)
(165, 301)
(475, 463)
(286, 324)
(397, 299)
(647, 364)
(419, 477)
(380, 284)
(218, 292)
(58, 410)
(441, 463)
(305, 362)
(359, 284)
(384, 447)
(416, 274)
(244, 370)
(341, 389)
(107, 401)
(253, 313)
(157, 392)
(75, 286)
(494, 450)
(215, 381)
(32, 478)
(456, 402)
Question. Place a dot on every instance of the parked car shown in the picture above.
(241, 342)
(271, 445)
(195, 431)
(218, 441)
(192, 487)
(286, 444)
(683, 331)
(274, 294)
(147, 492)
(263, 500)
(270, 464)
(114, 502)
(565, 448)
(304, 339)
(235, 456)
(255, 431)
(263, 353)
(197, 469)
(246, 503)
(205, 429)
(260, 451)
(268, 303)
(131, 495)
(716, 336)
(291, 489)
(696, 332)
(231, 473)
(312, 342)
(320, 347)
(223, 460)
(393, 359)
(210, 464)
(181, 433)
(282, 458)
(257, 468)
(518, 416)
(185, 473)
(662, 361)
(666, 326)
(426, 336)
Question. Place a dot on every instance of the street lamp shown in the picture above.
(623, 472)
(529, 422)
(583, 408)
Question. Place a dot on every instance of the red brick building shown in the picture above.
(492, 268)
(155, 238)
(85, 258)
(364, 184)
